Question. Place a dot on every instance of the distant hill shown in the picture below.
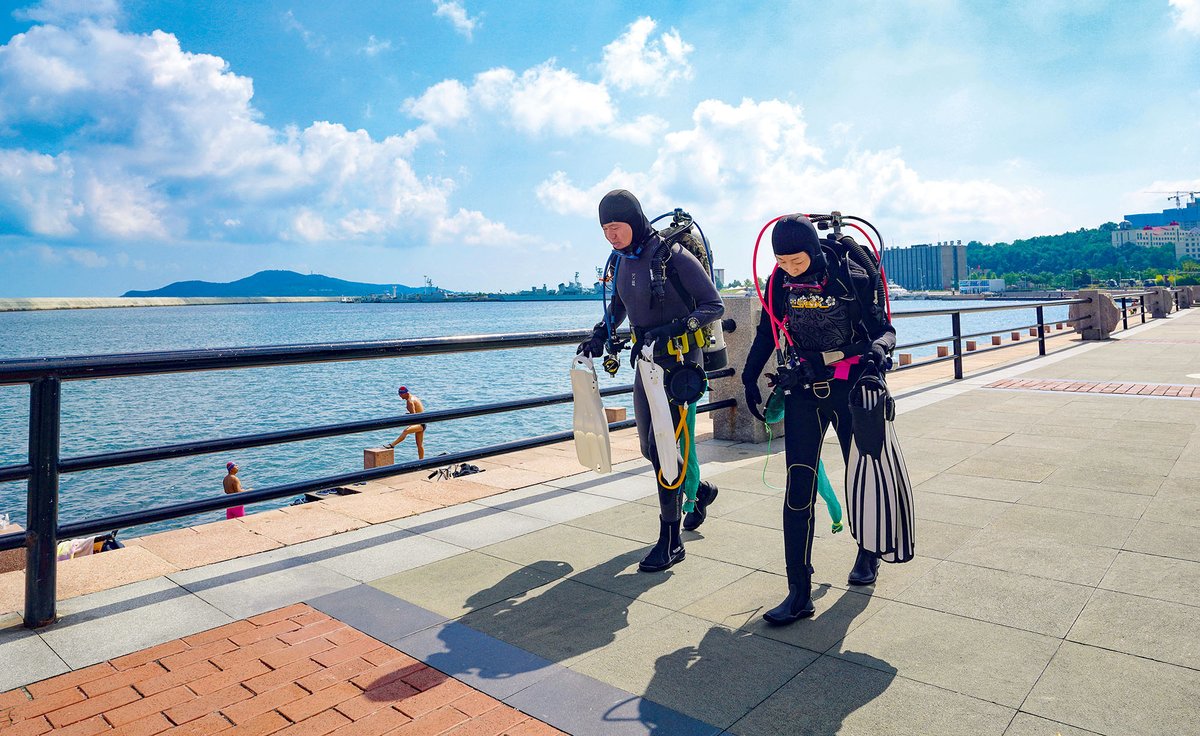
(273, 283)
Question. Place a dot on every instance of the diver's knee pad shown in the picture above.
(801, 488)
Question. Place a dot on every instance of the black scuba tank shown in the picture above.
(684, 231)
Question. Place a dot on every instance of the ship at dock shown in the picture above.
(566, 292)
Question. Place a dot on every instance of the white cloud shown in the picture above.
(456, 13)
(59, 256)
(635, 62)
(1186, 14)
(65, 11)
(643, 131)
(443, 104)
(543, 99)
(161, 144)
(312, 39)
(375, 46)
(472, 228)
(738, 166)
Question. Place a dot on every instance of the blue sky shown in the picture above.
(146, 142)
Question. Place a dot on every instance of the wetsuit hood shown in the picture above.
(620, 205)
(796, 234)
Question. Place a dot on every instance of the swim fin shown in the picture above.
(879, 501)
(592, 445)
(662, 419)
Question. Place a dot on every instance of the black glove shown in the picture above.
(593, 347)
(672, 329)
(875, 357)
(753, 399)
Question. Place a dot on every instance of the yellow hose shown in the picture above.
(680, 430)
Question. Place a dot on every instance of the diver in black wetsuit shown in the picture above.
(666, 294)
(835, 327)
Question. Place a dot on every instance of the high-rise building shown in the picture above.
(1187, 217)
(927, 266)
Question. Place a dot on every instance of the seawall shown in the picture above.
(40, 303)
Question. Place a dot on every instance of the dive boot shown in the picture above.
(705, 494)
(866, 568)
(798, 603)
(667, 551)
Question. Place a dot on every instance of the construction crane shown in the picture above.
(1178, 197)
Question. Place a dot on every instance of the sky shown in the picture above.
(149, 141)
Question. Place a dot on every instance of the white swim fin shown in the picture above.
(661, 417)
(592, 445)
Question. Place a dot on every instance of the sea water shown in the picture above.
(129, 413)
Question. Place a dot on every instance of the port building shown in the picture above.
(927, 266)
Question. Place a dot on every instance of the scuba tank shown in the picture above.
(686, 232)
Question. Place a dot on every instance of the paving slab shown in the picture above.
(1010, 599)
(630, 521)
(584, 706)
(481, 661)
(957, 509)
(205, 544)
(1116, 694)
(1158, 630)
(740, 605)
(1036, 555)
(672, 660)
(621, 486)
(1174, 508)
(686, 582)
(546, 621)
(971, 486)
(489, 527)
(295, 524)
(1035, 471)
(554, 546)
(378, 614)
(464, 583)
(395, 552)
(1164, 578)
(1026, 725)
(734, 543)
(833, 696)
(376, 508)
(984, 660)
(1067, 527)
(550, 503)
(833, 561)
(1165, 540)
(1087, 500)
(110, 623)
(1106, 479)
(27, 657)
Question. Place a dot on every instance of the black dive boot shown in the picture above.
(866, 568)
(705, 494)
(798, 603)
(667, 551)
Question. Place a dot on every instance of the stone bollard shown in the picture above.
(996, 339)
(1185, 297)
(738, 424)
(1016, 336)
(905, 358)
(1033, 331)
(971, 344)
(1097, 319)
(943, 351)
(1160, 301)
(1058, 325)
(376, 457)
(614, 414)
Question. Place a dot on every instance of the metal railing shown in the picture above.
(45, 377)
(956, 336)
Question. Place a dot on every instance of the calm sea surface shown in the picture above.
(129, 413)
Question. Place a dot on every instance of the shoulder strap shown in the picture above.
(684, 294)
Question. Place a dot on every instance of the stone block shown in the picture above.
(1058, 325)
(1016, 336)
(971, 344)
(374, 457)
(12, 559)
(614, 414)
(1033, 331)
(943, 351)
(1096, 319)
(737, 423)
(905, 358)
(996, 339)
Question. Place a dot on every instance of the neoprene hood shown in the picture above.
(620, 205)
(796, 234)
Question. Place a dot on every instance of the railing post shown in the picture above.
(1041, 320)
(956, 325)
(1124, 313)
(1142, 307)
(41, 536)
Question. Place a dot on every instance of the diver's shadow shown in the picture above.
(578, 613)
(816, 701)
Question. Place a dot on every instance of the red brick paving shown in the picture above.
(1098, 387)
(290, 672)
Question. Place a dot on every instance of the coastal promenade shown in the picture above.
(1057, 550)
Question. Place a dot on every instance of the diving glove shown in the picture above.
(753, 399)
